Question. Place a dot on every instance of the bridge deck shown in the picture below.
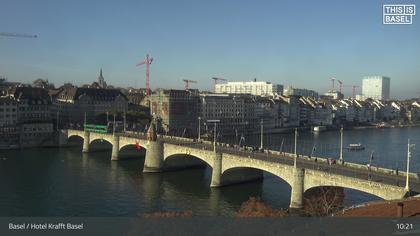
(391, 179)
(287, 159)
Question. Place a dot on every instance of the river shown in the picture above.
(65, 182)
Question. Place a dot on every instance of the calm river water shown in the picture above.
(65, 182)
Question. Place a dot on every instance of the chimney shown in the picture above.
(400, 212)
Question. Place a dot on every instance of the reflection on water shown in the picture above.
(65, 182)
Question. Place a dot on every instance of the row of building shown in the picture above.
(30, 112)
(373, 87)
(180, 112)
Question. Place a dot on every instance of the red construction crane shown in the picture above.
(148, 60)
(187, 83)
(18, 35)
(217, 79)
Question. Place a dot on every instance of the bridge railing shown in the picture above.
(274, 152)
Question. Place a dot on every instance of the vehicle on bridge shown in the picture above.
(96, 128)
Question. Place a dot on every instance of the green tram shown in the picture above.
(96, 128)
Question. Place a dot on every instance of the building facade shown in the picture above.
(175, 111)
(34, 104)
(259, 88)
(9, 131)
(376, 87)
(8, 111)
(290, 91)
(72, 103)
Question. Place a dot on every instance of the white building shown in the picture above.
(334, 94)
(290, 91)
(259, 88)
(376, 87)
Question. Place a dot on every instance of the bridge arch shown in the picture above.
(132, 146)
(100, 139)
(363, 190)
(127, 145)
(183, 160)
(248, 174)
(382, 190)
(100, 144)
(282, 171)
(75, 135)
(341, 194)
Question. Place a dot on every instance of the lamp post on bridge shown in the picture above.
(214, 132)
(262, 134)
(295, 160)
(199, 128)
(84, 123)
(125, 121)
(341, 144)
(409, 146)
(113, 126)
(58, 118)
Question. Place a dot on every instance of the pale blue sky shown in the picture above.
(300, 43)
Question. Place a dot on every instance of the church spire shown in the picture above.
(101, 80)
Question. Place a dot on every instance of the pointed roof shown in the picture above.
(100, 75)
(101, 80)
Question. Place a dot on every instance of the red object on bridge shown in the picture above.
(138, 146)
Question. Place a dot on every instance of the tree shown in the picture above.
(323, 201)
(254, 207)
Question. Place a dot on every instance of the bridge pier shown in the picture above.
(154, 157)
(296, 199)
(115, 148)
(216, 174)
(86, 141)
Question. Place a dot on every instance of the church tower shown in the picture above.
(101, 80)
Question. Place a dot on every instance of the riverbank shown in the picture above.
(384, 208)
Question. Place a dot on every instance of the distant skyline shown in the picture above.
(298, 43)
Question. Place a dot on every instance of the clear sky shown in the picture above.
(299, 43)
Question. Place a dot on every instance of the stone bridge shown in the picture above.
(229, 167)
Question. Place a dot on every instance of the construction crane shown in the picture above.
(354, 87)
(217, 79)
(147, 61)
(341, 85)
(187, 83)
(333, 80)
(18, 35)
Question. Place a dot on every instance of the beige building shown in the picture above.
(72, 103)
(259, 88)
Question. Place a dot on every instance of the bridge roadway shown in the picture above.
(232, 165)
(287, 159)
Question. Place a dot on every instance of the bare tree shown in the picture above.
(323, 201)
(254, 207)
